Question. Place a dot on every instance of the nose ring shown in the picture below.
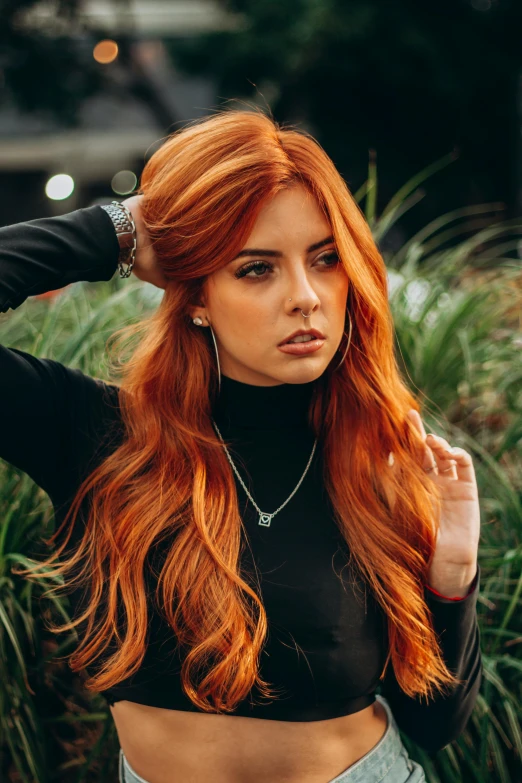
(304, 316)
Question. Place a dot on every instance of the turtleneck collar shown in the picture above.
(263, 407)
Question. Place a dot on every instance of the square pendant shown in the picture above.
(265, 520)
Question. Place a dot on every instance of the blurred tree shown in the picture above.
(44, 70)
(47, 66)
(410, 80)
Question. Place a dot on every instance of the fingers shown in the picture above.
(428, 459)
(438, 452)
(450, 461)
(416, 420)
(443, 454)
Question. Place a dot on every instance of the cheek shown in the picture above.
(338, 294)
(240, 316)
(242, 309)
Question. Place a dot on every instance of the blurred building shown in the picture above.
(117, 129)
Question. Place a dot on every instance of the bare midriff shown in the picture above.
(167, 746)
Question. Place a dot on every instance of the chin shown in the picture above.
(303, 371)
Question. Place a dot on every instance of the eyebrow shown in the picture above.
(277, 253)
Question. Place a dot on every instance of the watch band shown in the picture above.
(125, 233)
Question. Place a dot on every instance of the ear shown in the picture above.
(198, 311)
(197, 308)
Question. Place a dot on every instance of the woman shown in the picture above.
(255, 531)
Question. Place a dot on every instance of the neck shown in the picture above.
(263, 407)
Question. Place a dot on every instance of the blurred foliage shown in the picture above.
(404, 61)
(411, 80)
(456, 301)
(48, 69)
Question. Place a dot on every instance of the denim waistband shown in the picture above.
(386, 762)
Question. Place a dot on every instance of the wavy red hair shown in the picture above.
(169, 477)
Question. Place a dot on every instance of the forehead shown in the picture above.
(293, 215)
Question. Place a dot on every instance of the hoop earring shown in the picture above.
(217, 357)
(348, 344)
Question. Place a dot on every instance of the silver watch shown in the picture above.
(126, 234)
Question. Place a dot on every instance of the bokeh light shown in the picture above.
(59, 187)
(105, 51)
(124, 182)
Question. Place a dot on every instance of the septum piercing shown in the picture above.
(304, 316)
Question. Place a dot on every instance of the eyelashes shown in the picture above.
(261, 265)
(250, 267)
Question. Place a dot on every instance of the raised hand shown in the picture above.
(146, 266)
(454, 563)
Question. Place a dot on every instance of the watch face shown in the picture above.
(126, 239)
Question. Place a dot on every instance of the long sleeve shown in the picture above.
(48, 253)
(436, 723)
(44, 405)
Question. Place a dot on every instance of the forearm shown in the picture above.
(49, 253)
(438, 722)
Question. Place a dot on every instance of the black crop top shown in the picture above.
(327, 638)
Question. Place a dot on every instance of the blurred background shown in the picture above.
(419, 104)
(88, 89)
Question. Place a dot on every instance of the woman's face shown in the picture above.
(289, 255)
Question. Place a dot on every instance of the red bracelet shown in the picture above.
(458, 598)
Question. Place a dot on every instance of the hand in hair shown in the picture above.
(146, 266)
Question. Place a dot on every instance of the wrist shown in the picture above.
(125, 228)
(452, 584)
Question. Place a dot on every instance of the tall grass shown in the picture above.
(455, 292)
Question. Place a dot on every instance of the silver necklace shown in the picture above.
(264, 519)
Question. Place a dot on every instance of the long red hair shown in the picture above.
(169, 477)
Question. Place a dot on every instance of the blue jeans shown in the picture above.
(386, 762)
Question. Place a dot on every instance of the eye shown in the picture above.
(330, 257)
(256, 265)
(260, 266)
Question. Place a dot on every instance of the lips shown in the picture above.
(315, 333)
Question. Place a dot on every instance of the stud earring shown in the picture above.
(197, 320)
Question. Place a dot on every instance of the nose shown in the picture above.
(304, 307)
(307, 315)
(303, 299)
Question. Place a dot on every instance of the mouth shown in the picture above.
(302, 336)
